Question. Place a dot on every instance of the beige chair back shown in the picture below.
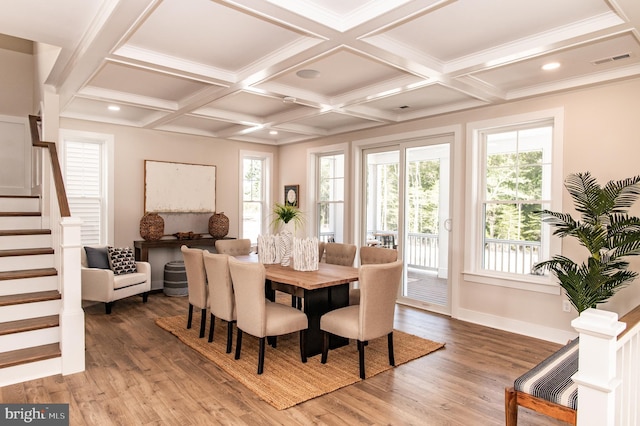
(196, 276)
(248, 287)
(221, 298)
(339, 253)
(379, 284)
(369, 255)
(321, 245)
(233, 247)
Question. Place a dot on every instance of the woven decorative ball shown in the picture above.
(218, 225)
(151, 226)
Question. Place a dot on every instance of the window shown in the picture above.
(89, 183)
(255, 194)
(330, 197)
(516, 172)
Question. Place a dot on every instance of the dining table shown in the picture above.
(323, 290)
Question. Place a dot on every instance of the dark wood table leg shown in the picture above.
(317, 303)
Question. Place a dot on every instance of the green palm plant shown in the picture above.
(283, 214)
(606, 230)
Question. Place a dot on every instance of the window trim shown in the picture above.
(267, 157)
(474, 183)
(107, 141)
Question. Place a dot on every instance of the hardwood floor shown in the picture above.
(138, 374)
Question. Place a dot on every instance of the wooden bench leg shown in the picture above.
(510, 407)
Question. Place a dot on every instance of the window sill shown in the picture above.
(529, 282)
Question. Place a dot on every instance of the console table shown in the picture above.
(141, 247)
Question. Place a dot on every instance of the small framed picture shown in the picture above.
(291, 193)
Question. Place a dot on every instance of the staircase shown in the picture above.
(30, 300)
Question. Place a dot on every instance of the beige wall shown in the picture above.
(16, 83)
(133, 146)
(601, 135)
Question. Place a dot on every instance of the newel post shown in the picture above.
(72, 315)
(596, 376)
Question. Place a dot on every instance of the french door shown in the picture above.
(406, 207)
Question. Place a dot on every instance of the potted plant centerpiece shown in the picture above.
(283, 216)
(606, 230)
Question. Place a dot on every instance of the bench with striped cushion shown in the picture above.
(547, 387)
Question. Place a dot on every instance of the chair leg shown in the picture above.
(229, 335)
(213, 321)
(145, 297)
(325, 347)
(510, 407)
(392, 360)
(261, 355)
(238, 344)
(107, 307)
(203, 322)
(361, 346)
(190, 316)
(303, 348)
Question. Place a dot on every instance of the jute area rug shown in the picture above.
(286, 381)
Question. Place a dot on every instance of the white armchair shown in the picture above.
(102, 285)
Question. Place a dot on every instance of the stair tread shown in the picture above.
(20, 196)
(29, 324)
(40, 296)
(23, 356)
(26, 251)
(27, 273)
(17, 214)
(14, 232)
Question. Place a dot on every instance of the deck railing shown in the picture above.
(517, 257)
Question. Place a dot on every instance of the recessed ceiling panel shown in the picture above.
(465, 27)
(209, 33)
(331, 121)
(188, 123)
(143, 82)
(576, 62)
(426, 97)
(339, 72)
(91, 109)
(252, 104)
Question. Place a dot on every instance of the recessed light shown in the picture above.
(113, 108)
(308, 73)
(273, 132)
(551, 66)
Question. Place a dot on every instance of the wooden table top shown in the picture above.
(327, 274)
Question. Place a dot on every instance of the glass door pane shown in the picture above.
(382, 202)
(426, 223)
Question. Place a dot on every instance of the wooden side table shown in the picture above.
(142, 247)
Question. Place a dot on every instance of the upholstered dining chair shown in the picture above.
(258, 316)
(196, 284)
(222, 303)
(233, 247)
(372, 255)
(370, 319)
(340, 253)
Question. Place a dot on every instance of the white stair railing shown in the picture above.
(608, 375)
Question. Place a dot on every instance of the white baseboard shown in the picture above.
(515, 326)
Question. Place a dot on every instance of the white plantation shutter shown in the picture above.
(83, 182)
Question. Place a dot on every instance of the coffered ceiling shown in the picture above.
(284, 71)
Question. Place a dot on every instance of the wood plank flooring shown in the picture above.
(138, 374)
